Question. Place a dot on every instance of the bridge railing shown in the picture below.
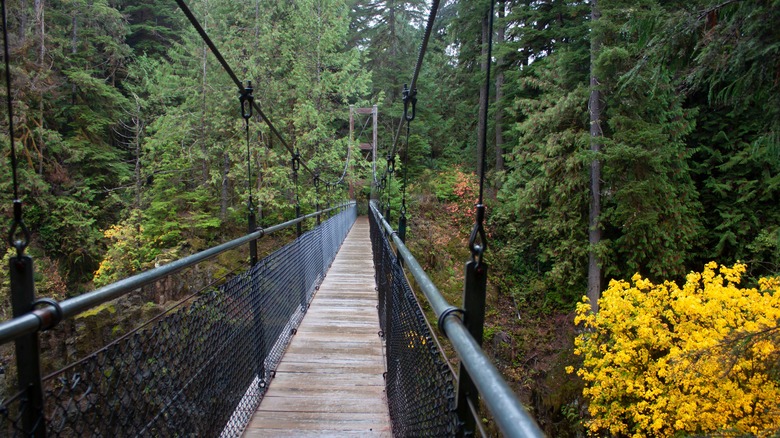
(421, 388)
(200, 369)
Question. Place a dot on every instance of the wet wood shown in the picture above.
(330, 382)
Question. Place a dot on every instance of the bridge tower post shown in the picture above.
(375, 112)
(474, 293)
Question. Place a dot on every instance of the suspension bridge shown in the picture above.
(322, 337)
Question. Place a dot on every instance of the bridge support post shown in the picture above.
(252, 228)
(401, 234)
(28, 364)
(256, 300)
(474, 293)
(390, 282)
(259, 327)
(298, 231)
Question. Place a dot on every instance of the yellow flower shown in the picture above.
(661, 360)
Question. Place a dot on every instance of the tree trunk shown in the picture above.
(40, 24)
(203, 149)
(74, 48)
(392, 62)
(23, 21)
(596, 134)
(499, 117)
(483, 90)
(223, 206)
(137, 130)
(204, 165)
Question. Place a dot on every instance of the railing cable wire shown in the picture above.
(478, 239)
(229, 71)
(410, 99)
(18, 223)
(418, 65)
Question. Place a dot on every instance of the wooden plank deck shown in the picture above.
(329, 382)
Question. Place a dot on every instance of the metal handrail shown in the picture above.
(34, 320)
(510, 415)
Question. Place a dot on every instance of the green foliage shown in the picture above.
(650, 205)
(541, 219)
(737, 182)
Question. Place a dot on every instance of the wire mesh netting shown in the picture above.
(420, 389)
(200, 370)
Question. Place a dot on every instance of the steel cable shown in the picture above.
(417, 68)
(229, 71)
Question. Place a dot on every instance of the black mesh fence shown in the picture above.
(201, 369)
(420, 389)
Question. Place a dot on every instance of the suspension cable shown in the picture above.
(478, 240)
(295, 161)
(246, 98)
(410, 97)
(389, 171)
(317, 194)
(418, 66)
(18, 223)
(229, 71)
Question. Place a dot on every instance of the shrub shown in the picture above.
(660, 360)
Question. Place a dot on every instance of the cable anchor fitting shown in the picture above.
(247, 99)
(296, 161)
(409, 96)
(478, 240)
(390, 164)
(18, 225)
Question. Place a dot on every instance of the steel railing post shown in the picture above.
(474, 292)
(256, 273)
(28, 364)
(251, 229)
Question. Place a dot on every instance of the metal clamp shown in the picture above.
(246, 98)
(18, 223)
(478, 232)
(47, 320)
(447, 312)
(296, 161)
(410, 96)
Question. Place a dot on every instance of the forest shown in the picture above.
(633, 154)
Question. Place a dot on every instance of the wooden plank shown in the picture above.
(303, 367)
(350, 338)
(314, 403)
(299, 433)
(330, 380)
(355, 379)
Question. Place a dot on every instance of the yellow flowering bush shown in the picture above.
(660, 360)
